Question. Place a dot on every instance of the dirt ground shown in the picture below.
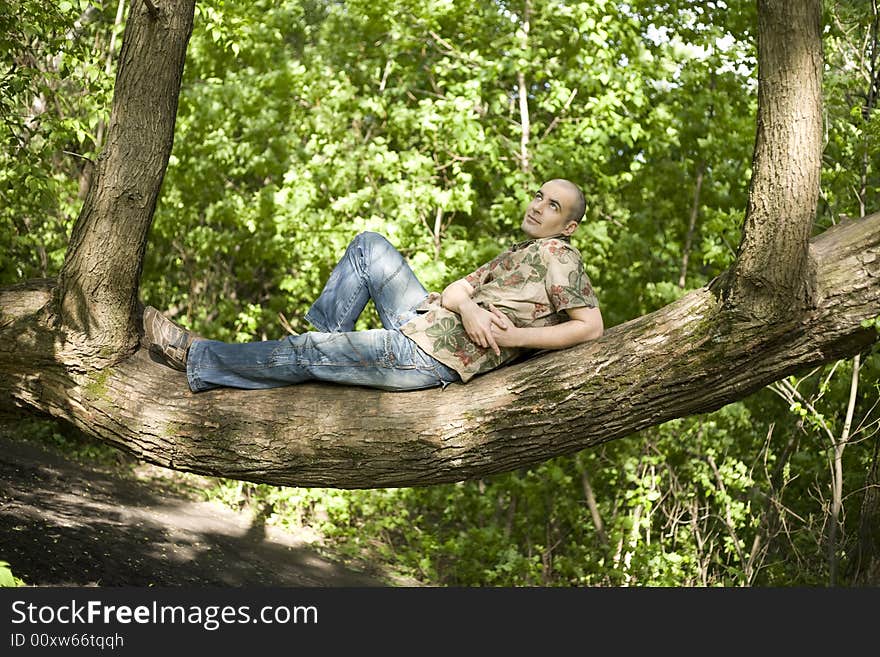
(67, 523)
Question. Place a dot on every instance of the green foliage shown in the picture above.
(76, 444)
(54, 93)
(304, 122)
(7, 578)
(850, 177)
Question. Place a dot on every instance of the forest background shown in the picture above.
(301, 123)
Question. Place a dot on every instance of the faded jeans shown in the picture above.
(379, 358)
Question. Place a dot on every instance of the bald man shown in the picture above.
(535, 295)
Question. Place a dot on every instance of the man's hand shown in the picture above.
(478, 322)
(505, 332)
(485, 327)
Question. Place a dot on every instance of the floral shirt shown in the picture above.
(532, 282)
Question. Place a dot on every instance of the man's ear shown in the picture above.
(570, 227)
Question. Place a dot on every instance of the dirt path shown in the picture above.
(64, 523)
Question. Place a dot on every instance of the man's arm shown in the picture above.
(584, 324)
(478, 322)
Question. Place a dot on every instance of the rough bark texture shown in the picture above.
(772, 274)
(689, 357)
(98, 286)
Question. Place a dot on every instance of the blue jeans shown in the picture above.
(379, 358)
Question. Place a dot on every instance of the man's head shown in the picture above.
(556, 209)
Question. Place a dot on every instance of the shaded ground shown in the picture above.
(65, 523)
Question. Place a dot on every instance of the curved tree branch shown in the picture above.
(689, 357)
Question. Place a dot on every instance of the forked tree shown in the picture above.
(69, 347)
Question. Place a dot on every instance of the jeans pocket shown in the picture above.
(429, 365)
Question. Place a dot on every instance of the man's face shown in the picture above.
(548, 213)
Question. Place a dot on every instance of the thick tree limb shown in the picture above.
(772, 273)
(98, 286)
(689, 357)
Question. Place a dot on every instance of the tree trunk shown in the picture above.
(772, 274)
(97, 290)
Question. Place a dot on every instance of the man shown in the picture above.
(535, 295)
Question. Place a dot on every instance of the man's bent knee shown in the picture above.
(372, 238)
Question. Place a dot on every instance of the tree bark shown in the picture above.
(772, 275)
(689, 357)
(97, 291)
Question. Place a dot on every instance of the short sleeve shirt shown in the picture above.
(532, 283)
